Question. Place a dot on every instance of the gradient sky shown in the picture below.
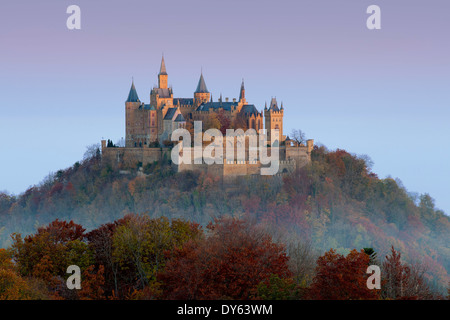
(383, 93)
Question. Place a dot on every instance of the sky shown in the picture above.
(382, 93)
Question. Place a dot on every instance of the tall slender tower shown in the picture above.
(162, 76)
(274, 120)
(131, 122)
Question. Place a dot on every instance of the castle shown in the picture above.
(149, 128)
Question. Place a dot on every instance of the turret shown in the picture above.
(131, 105)
(201, 94)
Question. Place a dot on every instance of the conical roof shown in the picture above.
(133, 96)
(162, 70)
(201, 87)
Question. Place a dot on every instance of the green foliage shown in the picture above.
(278, 289)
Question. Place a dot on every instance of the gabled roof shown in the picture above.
(170, 113)
(162, 92)
(249, 108)
(180, 118)
(183, 101)
(201, 87)
(133, 96)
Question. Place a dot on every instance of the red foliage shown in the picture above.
(342, 278)
(230, 263)
(60, 232)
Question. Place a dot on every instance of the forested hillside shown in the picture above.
(335, 202)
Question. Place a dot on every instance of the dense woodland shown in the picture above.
(166, 235)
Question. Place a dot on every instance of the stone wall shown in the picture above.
(290, 159)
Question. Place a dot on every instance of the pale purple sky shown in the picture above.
(383, 93)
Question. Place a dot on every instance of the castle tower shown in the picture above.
(131, 105)
(161, 98)
(162, 76)
(274, 119)
(201, 94)
(242, 93)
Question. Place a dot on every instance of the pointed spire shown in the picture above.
(274, 104)
(201, 87)
(265, 106)
(133, 96)
(162, 70)
(242, 93)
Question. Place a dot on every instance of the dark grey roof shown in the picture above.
(170, 113)
(148, 107)
(201, 87)
(133, 96)
(249, 108)
(274, 105)
(163, 93)
(183, 101)
(162, 70)
(180, 118)
(216, 105)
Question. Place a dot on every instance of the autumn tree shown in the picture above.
(101, 242)
(142, 243)
(49, 252)
(341, 277)
(212, 122)
(225, 122)
(401, 281)
(240, 122)
(228, 264)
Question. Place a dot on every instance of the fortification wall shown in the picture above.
(290, 158)
(130, 157)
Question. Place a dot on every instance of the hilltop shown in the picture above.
(335, 201)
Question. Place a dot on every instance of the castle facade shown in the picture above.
(149, 127)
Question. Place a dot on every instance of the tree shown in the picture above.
(141, 245)
(240, 122)
(341, 277)
(211, 122)
(402, 281)
(229, 264)
(48, 253)
(298, 136)
(92, 152)
(224, 121)
(101, 243)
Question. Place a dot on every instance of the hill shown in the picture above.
(334, 202)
